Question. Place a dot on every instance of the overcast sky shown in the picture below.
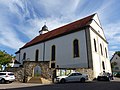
(20, 20)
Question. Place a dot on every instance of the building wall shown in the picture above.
(14, 65)
(30, 52)
(97, 57)
(64, 51)
(96, 25)
(116, 59)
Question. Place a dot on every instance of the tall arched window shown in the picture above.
(106, 53)
(75, 48)
(101, 49)
(103, 65)
(24, 56)
(53, 53)
(95, 45)
(37, 55)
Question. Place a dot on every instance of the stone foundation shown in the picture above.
(87, 71)
(25, 73)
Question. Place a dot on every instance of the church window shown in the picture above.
(53, 53)
(103, 65)
(52, 65)
(95, 45)
(24, 56)
(37, 55)
(101, 49)
(106, 52)
(76, 48)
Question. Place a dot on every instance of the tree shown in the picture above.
(118, 53)
(5, 58)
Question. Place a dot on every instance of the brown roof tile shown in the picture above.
(72, 27)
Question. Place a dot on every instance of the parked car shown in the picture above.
(76, 76)
(105, 76)
(6, 77)
(117, 75)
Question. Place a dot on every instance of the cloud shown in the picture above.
(112, 32)
(22, 19)
(10, 39)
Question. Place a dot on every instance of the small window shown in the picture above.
(10, 74)
(53, 53)
(95, 45)
(103, 65)
(106, 52)
(101, 49)
(2, 73)
(116, 68)
(24, 56)
(52, 65)
(76, 48)
(37, 55)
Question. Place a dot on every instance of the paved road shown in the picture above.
(75, 86)
(17, 85)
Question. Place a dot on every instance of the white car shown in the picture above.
(6, 77)
(76, 76)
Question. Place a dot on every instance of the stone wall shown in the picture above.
(87, 71)
(27, 71)
(18, 72)
(29, 66)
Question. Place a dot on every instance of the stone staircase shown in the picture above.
(40, 80)
(35, 80)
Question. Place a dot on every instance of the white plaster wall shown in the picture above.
(116, 59)
(97, 26)
(14, 65)
(30, 52)
(64, 50)
(97, 57)
(17, 57)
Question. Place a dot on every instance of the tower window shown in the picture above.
(75, 48)
(36, 55)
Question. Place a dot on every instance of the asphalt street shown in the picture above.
(75, 86)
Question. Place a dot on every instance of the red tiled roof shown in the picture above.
(72, 27)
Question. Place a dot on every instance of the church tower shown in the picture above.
(43, 30)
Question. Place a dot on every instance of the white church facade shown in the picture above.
(78, 45)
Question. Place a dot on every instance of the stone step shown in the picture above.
(35, 80)
(45, 81)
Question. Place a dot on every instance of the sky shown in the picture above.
(21, 20)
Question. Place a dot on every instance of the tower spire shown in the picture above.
(44, 29)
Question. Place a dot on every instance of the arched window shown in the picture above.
(106, 53)
(101, 49)
(75, 48)
(53, 53)
(24, 56)
(37, 55)
(103, 65)
(95, 45)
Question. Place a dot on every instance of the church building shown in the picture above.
(78, 46)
